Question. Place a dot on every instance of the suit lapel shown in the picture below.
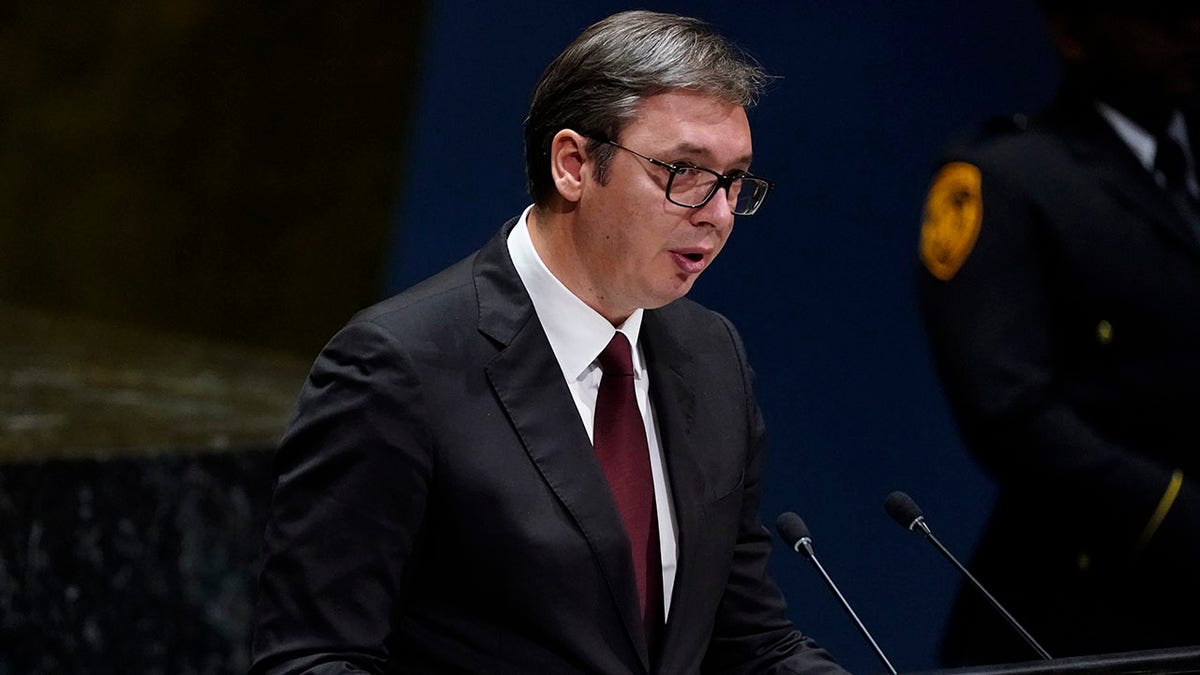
(1120, 173)
(674, 405)
(528, 382)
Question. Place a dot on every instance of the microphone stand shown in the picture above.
(920, 523)
(806, 543)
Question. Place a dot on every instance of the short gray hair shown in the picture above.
(593, 87)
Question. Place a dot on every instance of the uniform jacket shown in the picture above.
(1069, 346)
(439, 507)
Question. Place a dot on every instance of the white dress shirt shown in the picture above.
(1144, 147)
(577, 334)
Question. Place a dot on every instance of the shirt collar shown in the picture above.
(577, 333)
(1142, 142)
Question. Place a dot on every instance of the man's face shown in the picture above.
(1145, 56)
(636, 248)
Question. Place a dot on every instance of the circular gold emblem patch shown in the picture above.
(950, 224)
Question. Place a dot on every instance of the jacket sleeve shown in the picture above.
(354, 451)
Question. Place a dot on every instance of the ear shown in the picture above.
(568, 154)
(1066, 32)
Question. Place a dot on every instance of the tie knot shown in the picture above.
(1170, 160)
(617, 357)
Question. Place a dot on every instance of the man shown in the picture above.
(1061, 291)
(462, 488)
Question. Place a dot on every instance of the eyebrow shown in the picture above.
(689, 148)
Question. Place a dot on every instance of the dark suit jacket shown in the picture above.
(439, 507)
(1069, 347)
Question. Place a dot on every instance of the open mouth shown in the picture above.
(690, 262)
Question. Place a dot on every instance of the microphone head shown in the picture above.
(902, 509)
(792, 528)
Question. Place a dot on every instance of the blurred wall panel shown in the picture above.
(222, 169)
(193, 197)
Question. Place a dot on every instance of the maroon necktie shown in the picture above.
(620, 440)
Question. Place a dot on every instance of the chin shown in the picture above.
(669, 296)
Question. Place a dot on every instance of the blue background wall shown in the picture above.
(819, 283)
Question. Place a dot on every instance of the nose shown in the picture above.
(716, 213)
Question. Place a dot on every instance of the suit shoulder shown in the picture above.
(1005, 141)
(695, 326)
(438, 300)
(686, 311)
(986, 136)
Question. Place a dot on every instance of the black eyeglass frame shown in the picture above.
(723, 181)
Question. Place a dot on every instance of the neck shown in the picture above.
(552, 229)
(1146, 109)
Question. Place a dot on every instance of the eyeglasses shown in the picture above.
(693, 186)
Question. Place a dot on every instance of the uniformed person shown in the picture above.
(1060, 287)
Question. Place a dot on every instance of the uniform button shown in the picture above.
(1104, 332)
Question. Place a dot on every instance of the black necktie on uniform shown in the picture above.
(1170, 161)
(619, 437)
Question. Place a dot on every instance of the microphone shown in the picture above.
(793, 530)
(905, 511)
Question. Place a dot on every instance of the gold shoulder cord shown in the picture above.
(1164, 505)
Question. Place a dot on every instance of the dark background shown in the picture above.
(243, 177)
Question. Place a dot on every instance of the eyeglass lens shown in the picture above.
(692, 187)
